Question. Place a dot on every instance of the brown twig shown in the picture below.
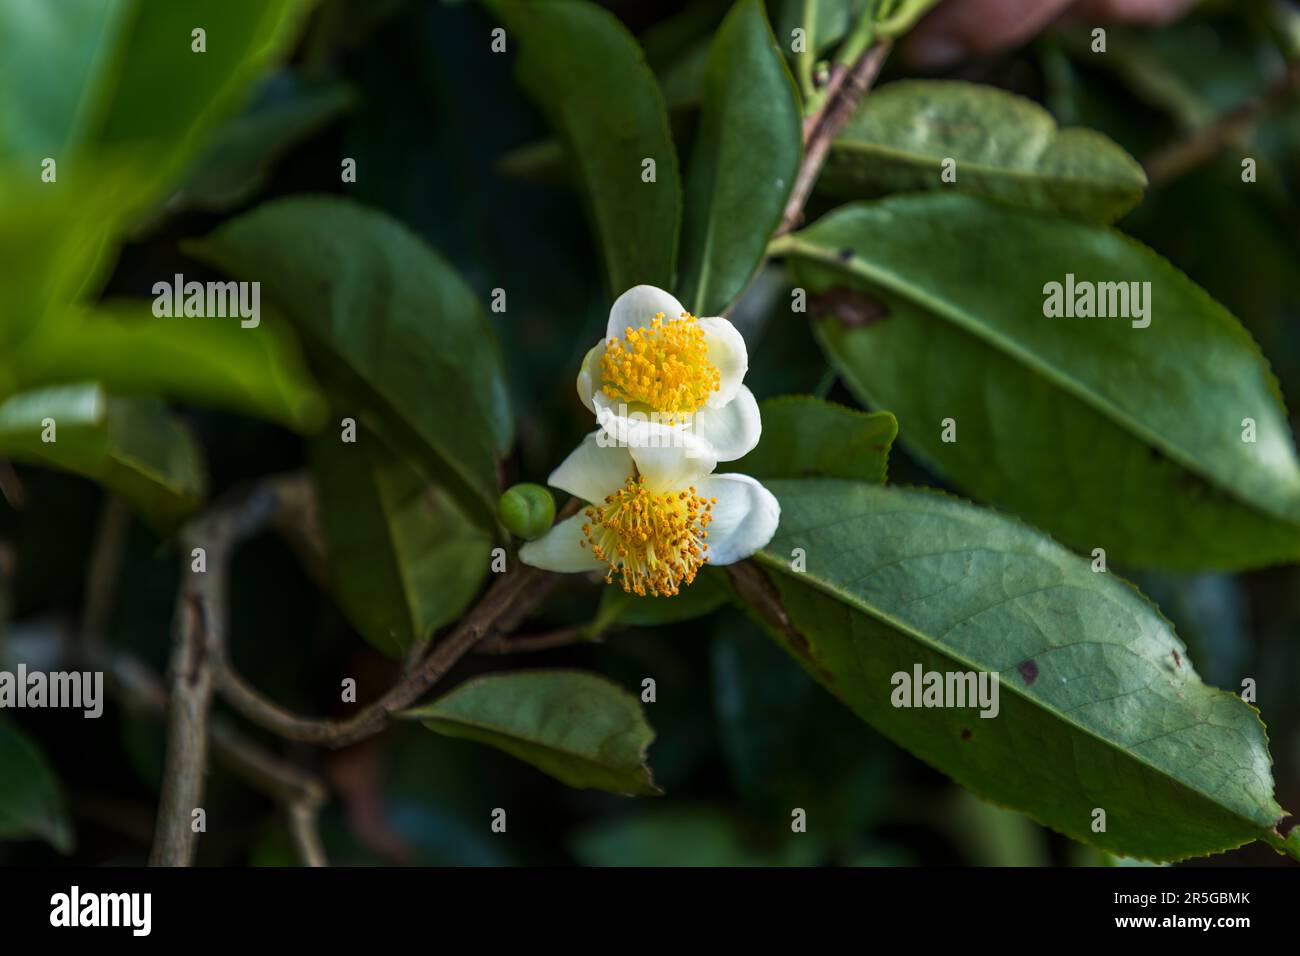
(1177, 158)
(560, 637)
(199, 627)
(845, 90)
(511, 595)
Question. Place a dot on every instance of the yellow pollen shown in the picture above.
(655, 543)
(665, 365)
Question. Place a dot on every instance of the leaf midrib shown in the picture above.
(884, 617)
(999, 342)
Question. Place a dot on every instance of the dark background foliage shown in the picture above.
(410, 89)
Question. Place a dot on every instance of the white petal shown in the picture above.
(727, 352)
(637, 306)
(559, 549)
(589, 375)
(732, 431)
(744, 518)
(596, 468)
(672, 468)
(637, 428)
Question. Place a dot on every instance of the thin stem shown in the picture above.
(1182, 156)
(821, 128)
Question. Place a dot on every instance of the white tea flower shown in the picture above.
(664, 378)
(652, 526)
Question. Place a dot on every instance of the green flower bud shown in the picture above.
(527, 510)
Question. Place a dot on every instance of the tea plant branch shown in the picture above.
(138, 688)
(845, 90)
(548, 640)
(198, 638)
(513, 594)
(507, 601)
(1231, 128)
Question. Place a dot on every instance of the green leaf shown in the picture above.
(238, 159)
(746, 158)
(84, 75)
(688, 835)
(134, 447)
(401, 332)
(703, 596)
(807, 437)
(824, 22)
(405, 560)
(581, 729)
(128, 349)
(1004, 146)
(1109, 436)
(1098, 705)
(607, 108)
(896, 17)
(31, 802)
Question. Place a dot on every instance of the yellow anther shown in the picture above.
(665, 366)
(653, 542)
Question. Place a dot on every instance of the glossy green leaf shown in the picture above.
(404, 559)
(1108, 435)
(125, 347)
(395, 323)
(807, 437)
(581, 729)
(1098, 704)
(746, 157)
(31, 802)
(134, 447)
(608, 110)
(1003, 145)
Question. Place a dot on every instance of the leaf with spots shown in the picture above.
(1098, 706)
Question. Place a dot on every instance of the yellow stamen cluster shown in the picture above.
(654, 542)
(666, 366)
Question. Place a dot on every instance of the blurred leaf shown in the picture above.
(404, 559)
(807, 437)
(122, 345)
(746, 157)
(790, 744)
(1098, 704)
(686, 836)
(133, 447)
(397, 323)
(84, 75)
(581, 729)
(1003, 145)
(237, 162)
(896, 17)
(171, 119)
(1128, 439)
(31, 802)
(824, 22)
(608, 110)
